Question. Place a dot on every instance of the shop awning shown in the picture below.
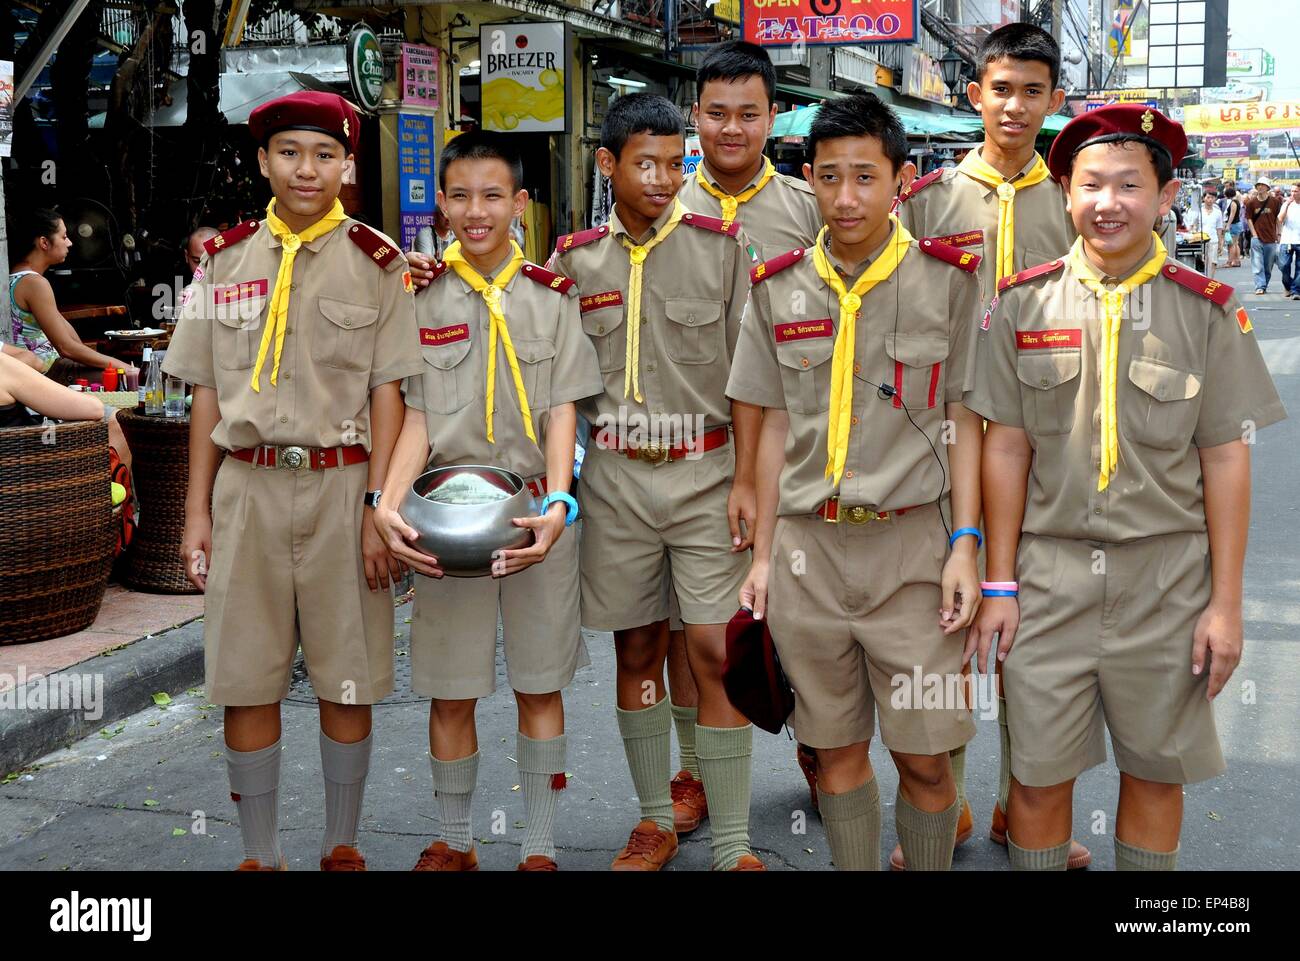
(797, 123)
(1054, 124)
(806, 93)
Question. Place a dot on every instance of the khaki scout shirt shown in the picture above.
(780, 217)
(350, 328)
(693, 292)
(557, 363)
(914, 334)
(964, 212)
(1187, 377)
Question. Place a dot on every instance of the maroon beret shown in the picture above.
(326, 113)
(1116, 121)
(752, 675)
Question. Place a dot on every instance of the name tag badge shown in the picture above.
(438, 336)
(787, 331)
(610, 298)
(1047, 339)
(967, 238)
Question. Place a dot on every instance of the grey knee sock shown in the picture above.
(926, 836)
(453, 786)
(1037, 859)
(1004, 756)
(541, 775)
(684, 719)
(1131, 858)
(726, 758)
(852, 822)
(345, 767)
(255, 789)
(647, 740)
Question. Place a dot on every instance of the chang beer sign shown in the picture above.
(523, 88)
(365, 66)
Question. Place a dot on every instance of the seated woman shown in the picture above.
(35, 321)
(22, 388)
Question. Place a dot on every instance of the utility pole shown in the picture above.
(1096, 39)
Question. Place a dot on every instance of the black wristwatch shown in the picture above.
(372, 498)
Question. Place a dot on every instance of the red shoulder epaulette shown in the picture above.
(232, 236)
(569, 241)
(920, 183)
(377, 247)
(439, 267)
(769, 267)
(1198, 282)
(1030, 273)
(547, 279)
(954, 255)
(716, 224)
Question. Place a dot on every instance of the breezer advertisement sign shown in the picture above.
(781, 23)
(523, 88)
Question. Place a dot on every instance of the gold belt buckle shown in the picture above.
(859, 515)
(653, 453)
(292, 458)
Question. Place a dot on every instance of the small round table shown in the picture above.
(160, 451)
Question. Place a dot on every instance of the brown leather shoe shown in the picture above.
(1079, 858)
(965, 827)
(344, 857)
(537, 862)
(690, 806)
(749, 862)
(439, 857)
(648, 849)
(252, 864)
(808, 764)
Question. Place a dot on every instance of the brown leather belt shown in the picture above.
(830, 512)
(296, 458)
(711, 439)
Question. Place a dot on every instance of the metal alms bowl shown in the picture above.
(464, 536)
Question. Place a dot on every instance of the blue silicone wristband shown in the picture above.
(962, 531)
(563, 498)
(1001, 593)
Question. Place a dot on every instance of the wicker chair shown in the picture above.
(56, 529)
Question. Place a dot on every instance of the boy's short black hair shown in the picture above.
(737, 60)
(1160, 158)
(482, 145)
(859, 115)
(1019, 41)
(635, 113)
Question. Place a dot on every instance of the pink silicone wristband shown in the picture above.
(999, 586)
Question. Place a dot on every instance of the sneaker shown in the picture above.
(965, 828)
(690, 806)
(1259, 290)
(537, 862)
(344, 857)
(649, 848)
(439, 857)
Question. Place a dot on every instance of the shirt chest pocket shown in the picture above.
(919, 369)
(1164, 409)
(237, 332)
(345, 339)
(806, 374)
(694, 333)
(536, 358)
(1052, 382)
(604, 327)
(449, 381)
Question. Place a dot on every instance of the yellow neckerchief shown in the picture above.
(730, 203)
(278, 316)
(637, 254)
(491, 293)
(837, 440)
(1112, 301)
(979, 170)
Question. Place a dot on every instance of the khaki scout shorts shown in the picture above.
(1110, 650)
(454, 629)
(652, 530)
(286, 568)
(854, 612)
